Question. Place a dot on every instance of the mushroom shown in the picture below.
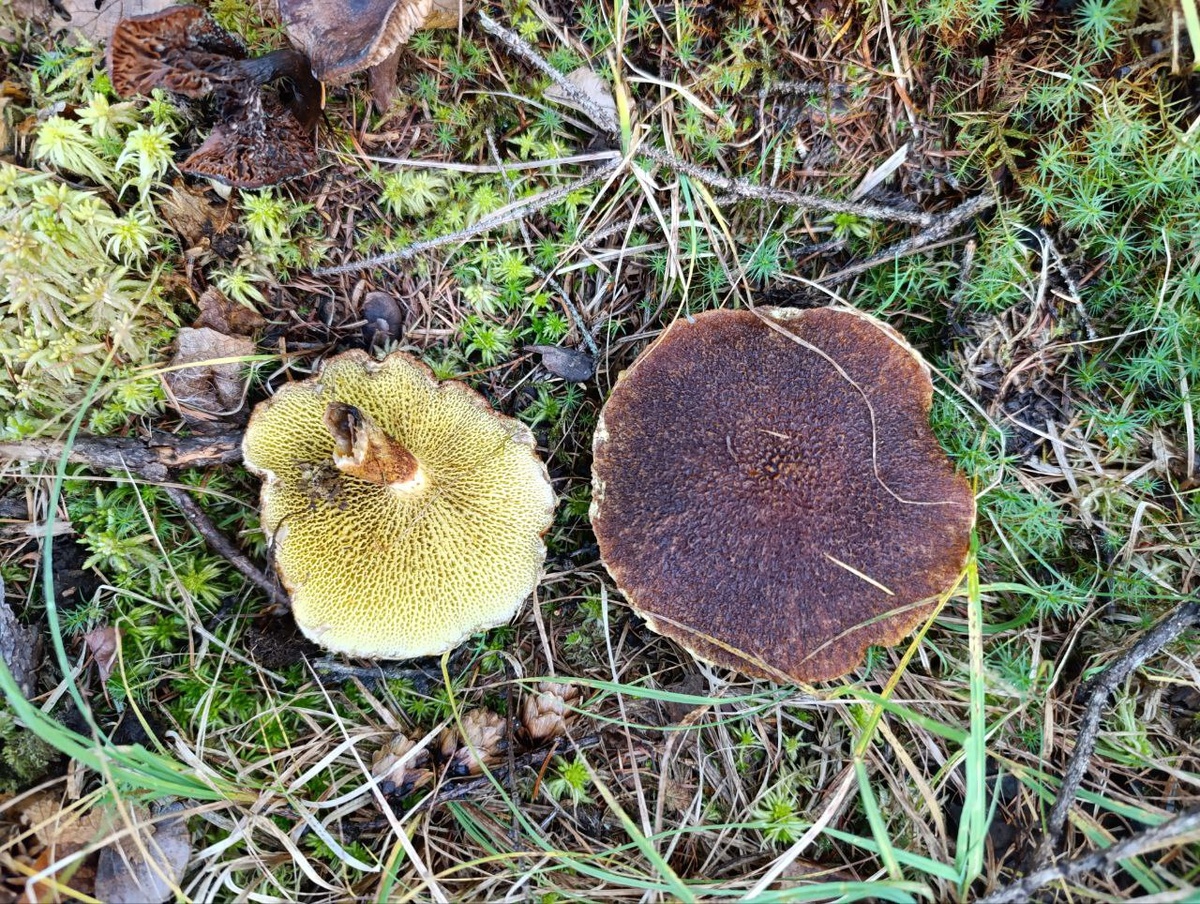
(263, 136)
(342, 37)
(405, 515)
(180, 48)
(767, 490)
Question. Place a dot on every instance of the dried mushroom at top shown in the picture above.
(767, 490)
(343, 37)
(266, 106)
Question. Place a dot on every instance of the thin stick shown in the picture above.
(942, 227)
(554, 284)
(515, 211)
(152, 459)
(1085, 739)
(1172, 832)
(521, 48)
(221, 545)
(742, 189)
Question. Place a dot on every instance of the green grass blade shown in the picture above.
(875, 818)
(972, 828)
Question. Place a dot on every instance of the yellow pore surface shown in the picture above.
(389, 574)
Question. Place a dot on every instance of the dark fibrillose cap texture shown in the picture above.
(767, 490)
(176, 48)
(260, 139)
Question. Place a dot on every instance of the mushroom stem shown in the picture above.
(364, 450)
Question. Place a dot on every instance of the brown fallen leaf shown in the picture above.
(94, 19)
(192, 215)
(103, 644)
(208, 390)
(62, 832)
(219, 313)
(146, 866)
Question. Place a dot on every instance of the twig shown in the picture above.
(1085, 739)
(1171, 832)
(152, 459)
(507, 214)
(521, 48)
(422, 677)
(221, 545)
(742, 190)
(941, 227)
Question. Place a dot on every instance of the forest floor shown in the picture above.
(1012, 184)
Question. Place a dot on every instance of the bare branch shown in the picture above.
(221, 545)
(1089, 729)
(1184, 827)
(153, 459)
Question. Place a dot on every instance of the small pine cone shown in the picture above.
(484, 743)
(396, 777)
(547, 711)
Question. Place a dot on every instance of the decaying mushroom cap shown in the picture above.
(345, 36)
(261, 143)
(177, 48)
(767, 490)
(405, 514)
(263, 136)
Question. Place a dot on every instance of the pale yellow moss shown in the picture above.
(384, 574)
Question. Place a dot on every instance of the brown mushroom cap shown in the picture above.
(342, 37)
(178, 48)
(767, 490)
(260, 139)
(262, 143)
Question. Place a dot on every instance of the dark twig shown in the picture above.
(1172, 832)
(1085, 738)
(742, 189)
(938, 230)
(423, 676)
(515, 43)
(152, 459)
(221, 545)
(515, 211)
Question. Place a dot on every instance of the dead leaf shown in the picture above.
(219, 313)
(208, 390)
(192, 215)
(18, 646)
(591, 86)
(61, 831)
(103, 643)
(569, 363)
(94, 19)
(56, 824)
(146, 866)
(76, 876)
